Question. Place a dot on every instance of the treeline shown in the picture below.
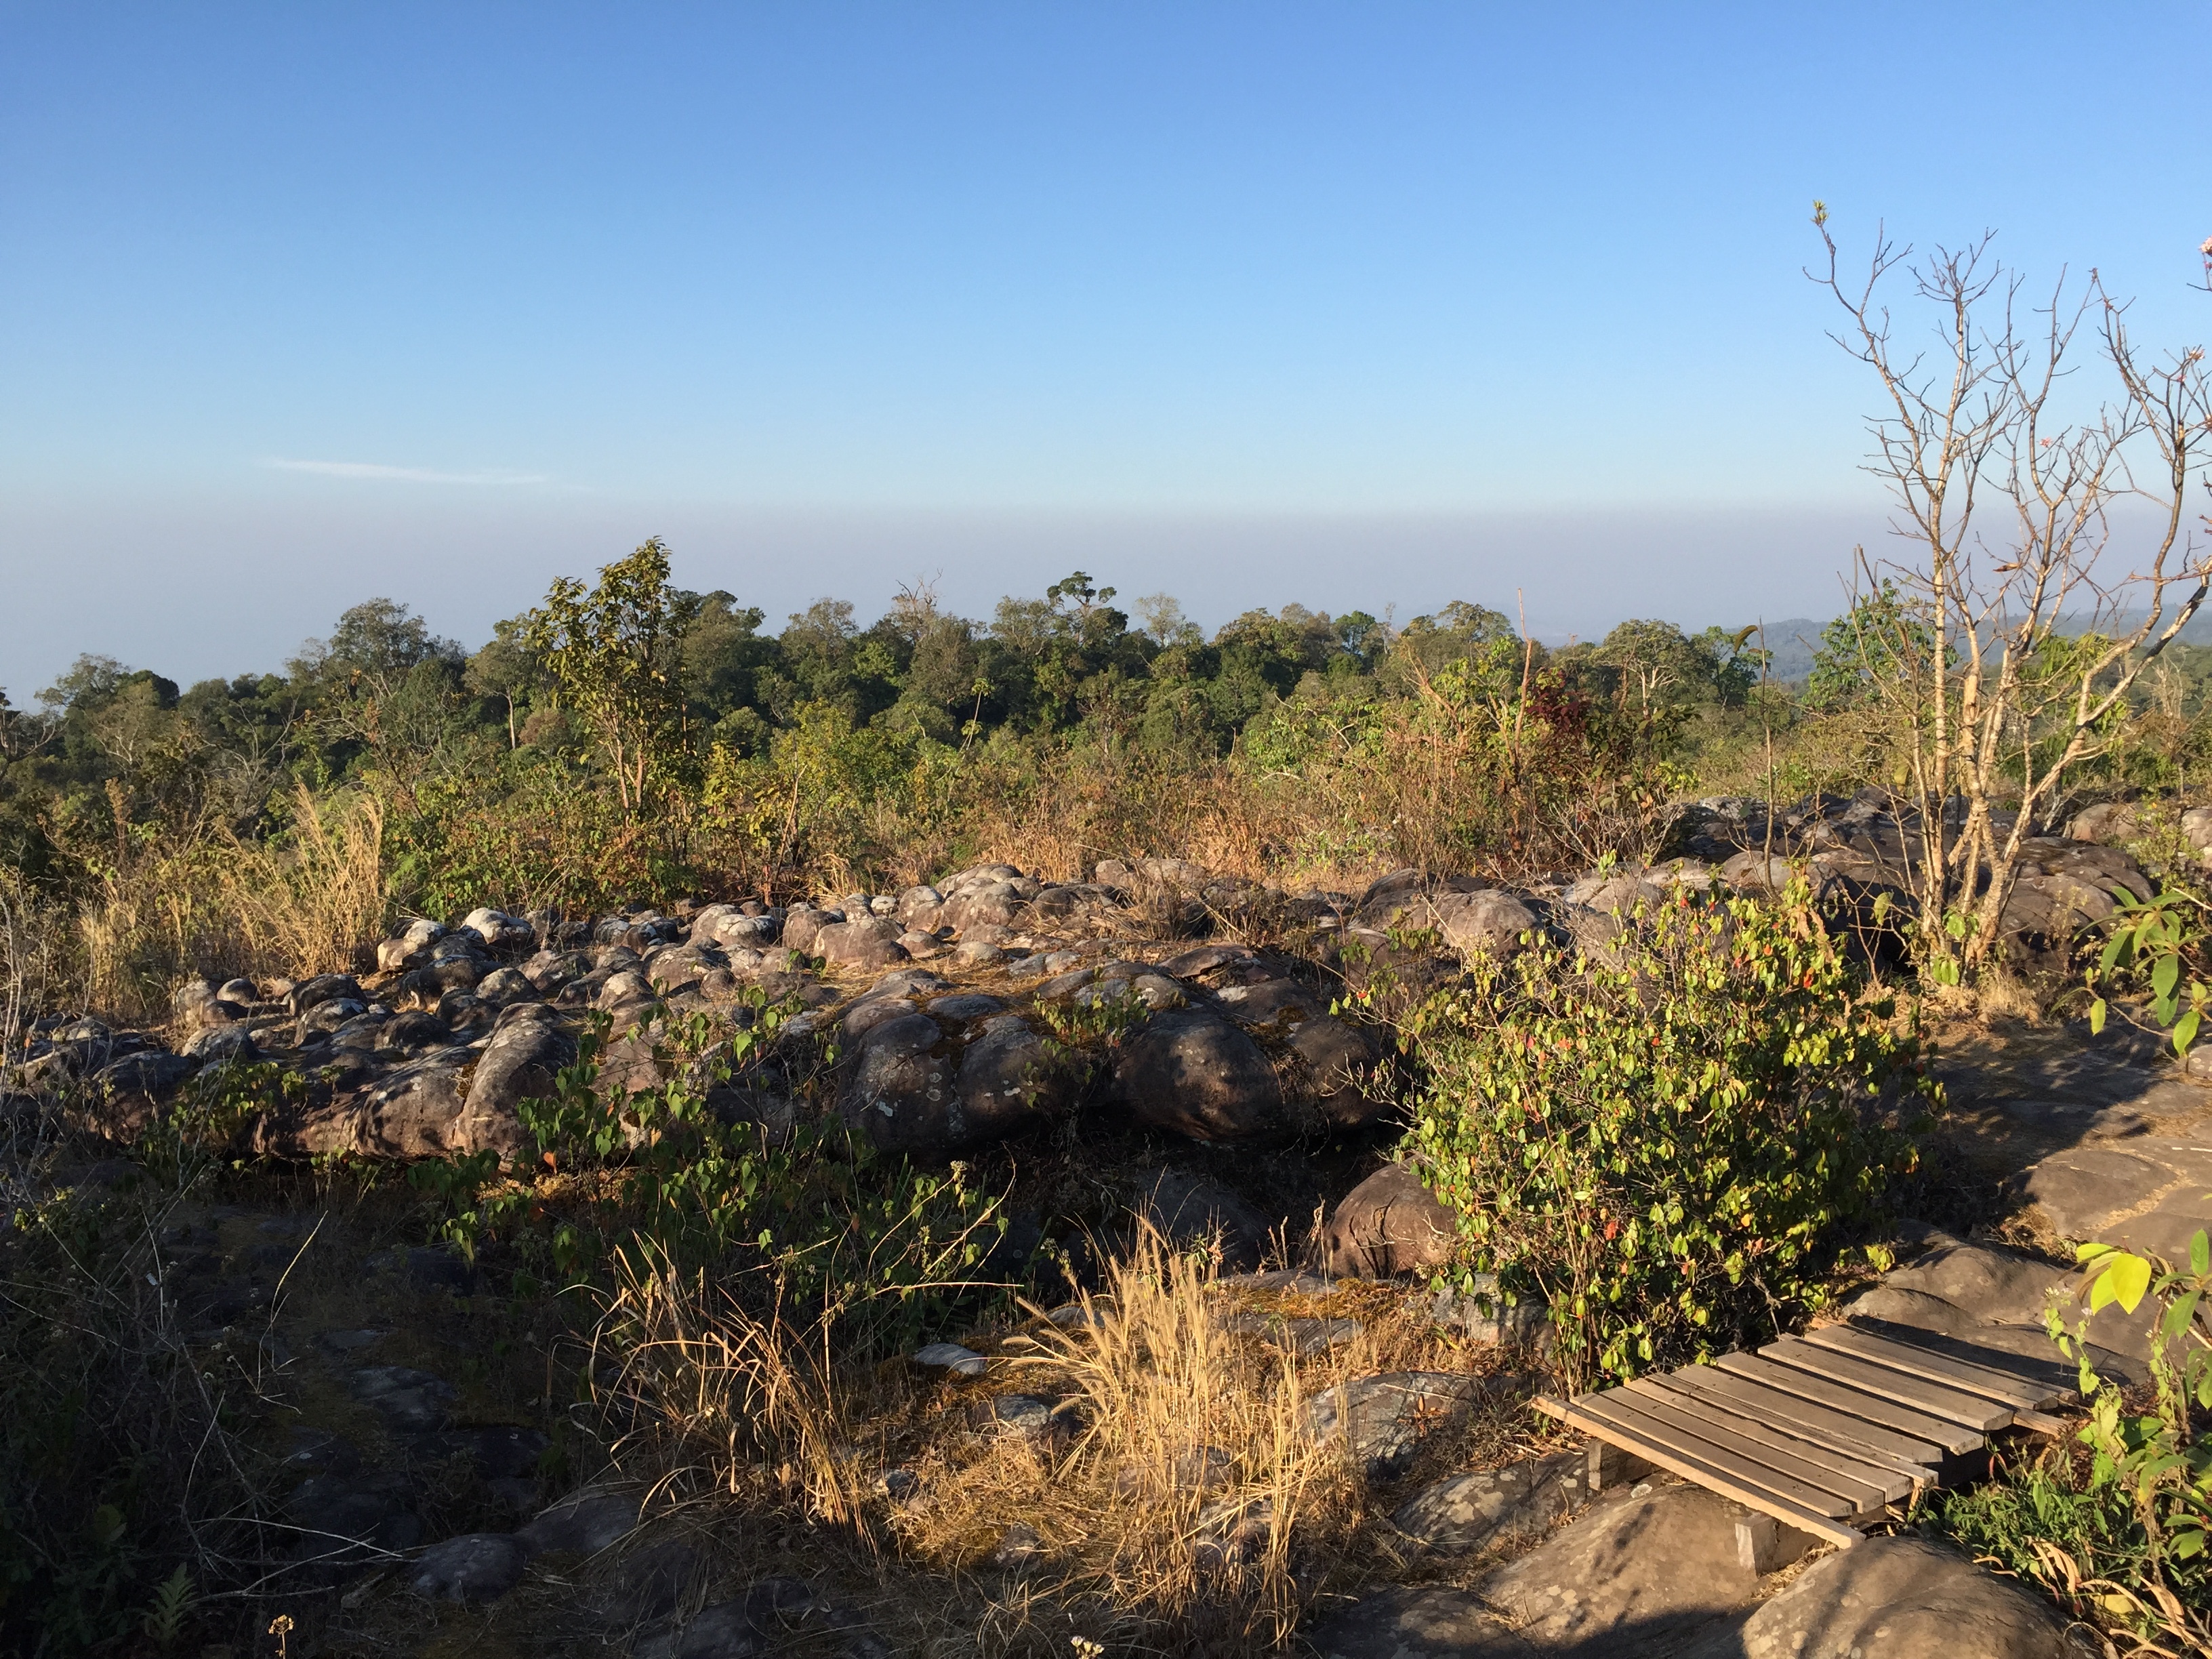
(625, 739)
(108, 749)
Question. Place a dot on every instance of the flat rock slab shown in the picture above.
(1431, 1622)
(1896, 1598)
(1630, 1577)
(477, 1567)
(582, 1524)
(1521, 1501)
(2146, 1192)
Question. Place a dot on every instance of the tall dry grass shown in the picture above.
(1178, 1506)
(1079, 805)
(201, 904)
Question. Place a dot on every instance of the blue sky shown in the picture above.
(1364, 305)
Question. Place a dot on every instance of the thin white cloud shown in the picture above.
(376, 471)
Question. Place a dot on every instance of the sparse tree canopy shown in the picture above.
(615, 651)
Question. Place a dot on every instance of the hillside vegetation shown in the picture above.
(631, 742)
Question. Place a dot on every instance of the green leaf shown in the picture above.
(2185, 1031)
(2125, 1279)
(2200, 1254)
(2178, 1316)
(2096, 1017)
(2165, 976)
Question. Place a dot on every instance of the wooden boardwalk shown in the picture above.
(1825, 1432)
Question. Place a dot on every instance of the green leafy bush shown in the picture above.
(1677, 1141)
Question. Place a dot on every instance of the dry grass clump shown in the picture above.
(716, 1399)
(1176, 1502)
(1184, 1504)
(209, 903)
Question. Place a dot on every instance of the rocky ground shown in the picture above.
(441, 1488)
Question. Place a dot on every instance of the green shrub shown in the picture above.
(1677, 1146)
(632, 1185)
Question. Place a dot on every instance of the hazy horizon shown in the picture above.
(1704, 568)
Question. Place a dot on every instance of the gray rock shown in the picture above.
(2147, 1194)
(911, 1088)
(966, 1006)
(1618, 893)
(2197, 830)
(413, 1111)
(1008, 1080)
(498, 929)
(583, 1523)
(1428, 1622)
(1304, 1337)
(1191, 1071)
(748, 1627)
(993, 904)
(342, 1516)
(1489, 920)
(326, 1016)
(1520, 1501)
(196, 1002)
(1481, 1314)
(150, 1074)
(504, 986)
(1019, 1414)
(1896, 1598)
(529, 1048)
(803, 922)
(1332, 1061)
(1630, 1577)
(1194, 1211)
(550, 969)
(325, 987)
(675, 967)
(409, 1401)
(1017, 1547)
(476, 1566)
(2108, 825)
(872, 942)
(1996, 1298)
(1384, 1419)
(1388, 1223)
(1754, 870)
(951, 1357)
(871, 1010)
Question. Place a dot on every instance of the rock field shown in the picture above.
(418, 1469)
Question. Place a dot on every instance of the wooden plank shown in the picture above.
(1971, 1411)
(1613, 1408)
(1703, 1474)
(1852, 1402)
(1840, 1472)
(2020, 1393)
(1867, 1468)
(1920, 1459)
(2055, 1377)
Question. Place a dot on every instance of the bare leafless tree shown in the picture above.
(2017, 630)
